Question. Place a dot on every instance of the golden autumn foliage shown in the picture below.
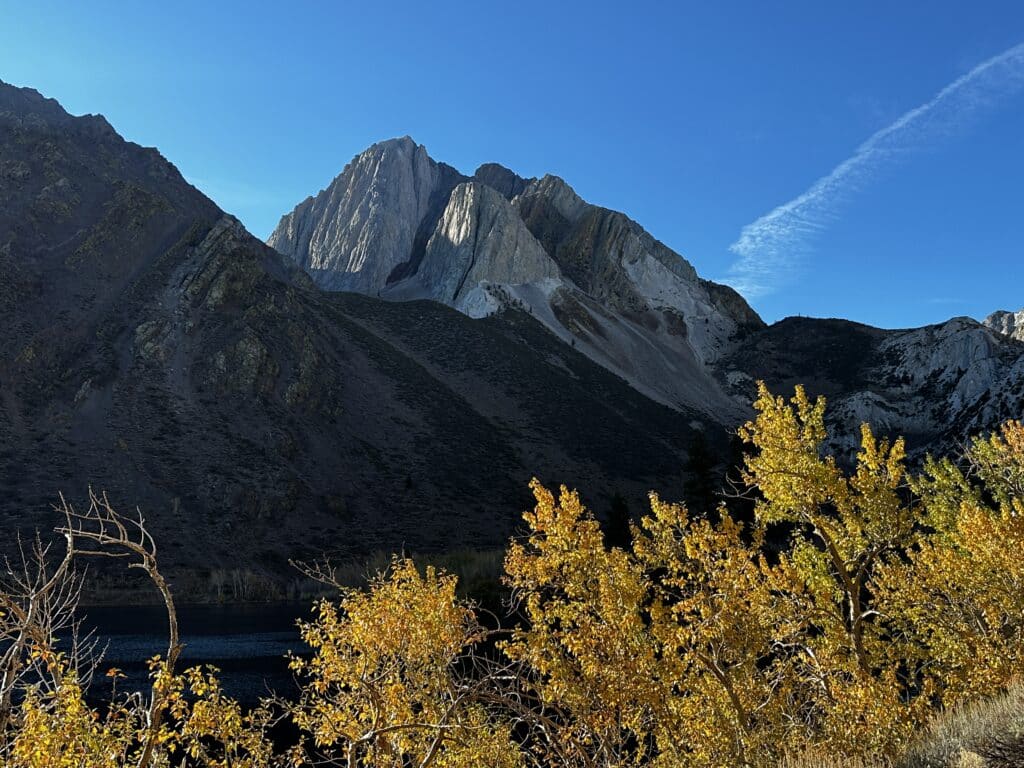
(958, 598)
(56, 728)
(382, 687)
(863, 599)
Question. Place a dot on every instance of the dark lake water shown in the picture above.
(247, 642)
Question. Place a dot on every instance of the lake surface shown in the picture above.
(246, 642)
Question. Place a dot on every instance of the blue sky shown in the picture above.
(697, 119)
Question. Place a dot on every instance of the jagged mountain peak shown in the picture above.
(402, 144)
(365, 225)
(25, 107)
(397, 224)
(399, 141)
(560, 195)
(27, 101)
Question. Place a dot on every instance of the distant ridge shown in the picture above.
(604, 286)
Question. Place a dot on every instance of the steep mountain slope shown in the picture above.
(157, 351)
(480, 244)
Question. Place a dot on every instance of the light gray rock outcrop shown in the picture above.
(1008, 323)
(614, 260)
(480, 239)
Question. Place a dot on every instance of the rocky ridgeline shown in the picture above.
(602, 284)
(1008, 323)
(934, 385)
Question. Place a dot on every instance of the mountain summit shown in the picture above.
(399, 225)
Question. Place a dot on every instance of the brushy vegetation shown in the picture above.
(883, 627)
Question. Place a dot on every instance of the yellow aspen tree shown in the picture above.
(383, 688)
(845, 657)
(55, 728)
(586, 638)
(960, 594)
(712, 619)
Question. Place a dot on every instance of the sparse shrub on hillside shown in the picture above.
(885, 629)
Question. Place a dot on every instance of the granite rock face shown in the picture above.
(354, 234)
(615, 261)
(1008, 323)
(479, 240)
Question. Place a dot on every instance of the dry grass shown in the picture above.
(957, 738)
(812, 759)
(983, 734)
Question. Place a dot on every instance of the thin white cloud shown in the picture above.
(769, 248)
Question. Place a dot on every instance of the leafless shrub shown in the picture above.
(39, 595)
(38, 598)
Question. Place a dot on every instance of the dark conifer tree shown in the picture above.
(616, 530)
(703, 482)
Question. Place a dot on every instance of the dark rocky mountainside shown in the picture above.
(493, 328)
(155, 350)
(935, 385)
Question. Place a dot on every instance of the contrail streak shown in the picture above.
(769, 248)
